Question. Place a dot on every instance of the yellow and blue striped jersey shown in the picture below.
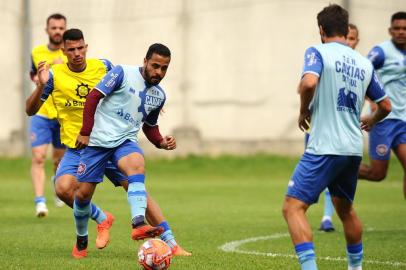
(69, 90)
(43, 53)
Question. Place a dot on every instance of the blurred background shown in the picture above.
(231, 85)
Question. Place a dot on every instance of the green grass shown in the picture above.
(208, 202)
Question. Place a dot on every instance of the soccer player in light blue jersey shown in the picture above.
(332, 90)
(389, 61)
(131, 99)
(327, 219)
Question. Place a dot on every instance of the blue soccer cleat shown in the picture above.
(326, 226)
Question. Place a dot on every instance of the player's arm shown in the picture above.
(151, 131)
(313, 66)
(376, 93)
(377, 57)
(42, 91)
(33, 71)
(110, 82)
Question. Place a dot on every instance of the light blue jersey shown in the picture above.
(390, 65)
(345, 77)
(129, 102)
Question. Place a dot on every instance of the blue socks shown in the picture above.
(137, 196)
(167, 236)
(97, 214)
(354, 256)
(81, 212)
(306, 255)
(328, 206)
(40, 199)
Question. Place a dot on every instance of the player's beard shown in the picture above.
(148, 78)
(54, 41)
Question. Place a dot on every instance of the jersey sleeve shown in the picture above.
(49, 87)
(111, 81)
(33, 69)
(377, 57)
(108, 64)
(152, 118)
(313, 62)
(375, 90)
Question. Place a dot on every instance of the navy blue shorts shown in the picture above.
(45, 131)
(70, 164)
(314, 173)
(93, 160)
(384, 136)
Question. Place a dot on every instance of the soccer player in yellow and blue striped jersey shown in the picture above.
(69, 85)
(44, 128)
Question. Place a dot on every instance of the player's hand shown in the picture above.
(168, 143)
(43, 73)
(82, 142)
(304, 120)
(367, 122)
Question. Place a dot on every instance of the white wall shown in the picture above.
(235, 65)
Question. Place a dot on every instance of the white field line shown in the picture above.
(234, 247)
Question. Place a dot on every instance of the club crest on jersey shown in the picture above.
(151, 99)
(82, 90)
(381, 150)
(347, 101)
(81, 168)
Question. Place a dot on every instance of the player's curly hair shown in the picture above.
(334, 20)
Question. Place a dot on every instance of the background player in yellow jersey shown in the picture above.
(69, 84)
(44, 128)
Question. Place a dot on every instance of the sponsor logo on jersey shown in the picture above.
(127, 117)
(311, 59)
(74, 103)
(82, 90)
(111, 82)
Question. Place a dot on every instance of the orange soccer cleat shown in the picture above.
(79, 254)
(146, 231)
(179, 251)
(103, 235)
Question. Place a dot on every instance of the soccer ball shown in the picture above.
(155, 254)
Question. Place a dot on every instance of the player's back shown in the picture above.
(338, 100)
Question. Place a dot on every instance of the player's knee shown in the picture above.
(38, 159)
(82, 194)
(286, 209)
(64, 192)
(139, 169)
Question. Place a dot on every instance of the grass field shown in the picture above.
(208, 203)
